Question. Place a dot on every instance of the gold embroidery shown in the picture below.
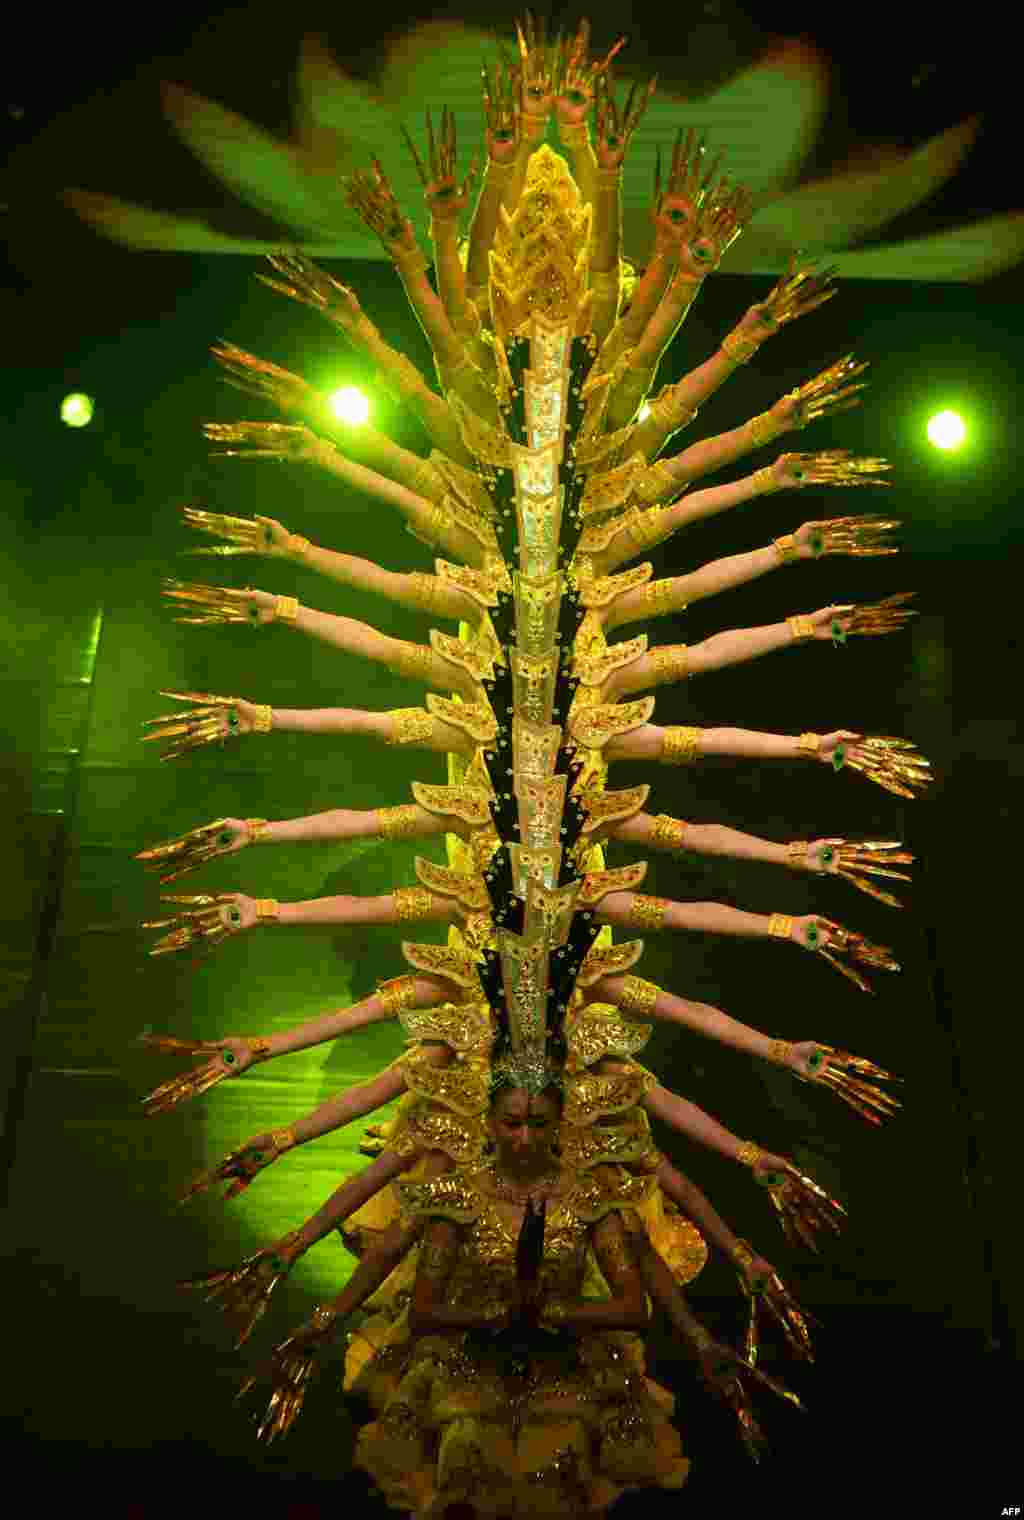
(397, 994)
(680, 746)
(399, 822)
(668, 833)
(411, 726)
(671, 663)
(638, 997)
(413, 903)
(647, 913)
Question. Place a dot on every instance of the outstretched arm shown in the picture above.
(643, 1000)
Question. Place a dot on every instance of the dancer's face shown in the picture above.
(524, 1127)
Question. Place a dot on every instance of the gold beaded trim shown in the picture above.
(283, 1140)
(779, 1052)
(671, 663)
(255, 828)
(647, 913)
(764, 482)
(668, 833)
(413, 903)
(413, 725)
(739, 350)
(788, 548)
(267, 909)
(780, 925)
(398, 994)
(749, 1154)
(764, 428)
(263, 722)
(399, 822)
(797, 853)
(680, 746)
(809, 744)
(286, 609)
(801, 627)
(638, 997)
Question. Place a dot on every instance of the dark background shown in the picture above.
(115, 1385)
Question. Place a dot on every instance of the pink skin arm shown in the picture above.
(703, 839)
(382, 726)
(693, 507)
(720, 575)
(430, 990)
(700, 1017)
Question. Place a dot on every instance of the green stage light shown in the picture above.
(946, 430)
(76, 410)
(350, 405)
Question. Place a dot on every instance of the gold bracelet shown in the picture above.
(764, 428)
(259, 1048)
(797, 851)
(749, 1154)
(398, 994)
(780, 926)
(399, 822)
(605, 282)
(809, 744)
(668, 832)
(267, 909)
(779, 1052)
(739, 350)
(671, 663)
(413, 903)
(741, 1254)
(638, 997)
(413, 725)
(680, 746)
(286, 609)
(283, 1140)
(424, 591)
(297, 545)
(647, 913)
(264, 719)
(255, 828)
(788, 547)
(801, 627)
(764, 482)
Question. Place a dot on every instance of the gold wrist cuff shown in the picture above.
(780, 926)
(283, 1140)
(399, 822)
(286, 609)
(297, 545)
(259, 1048)
(413, 903)
(739, 350)
(802, 627)
(645, 529)
(412, 660)
(255, 828)
(264, 719)
(668, 832)
(638, 997)
(398, 994)
(797, 852)
(671, 663)
(656, 483)
(809, 744)
(267, 909)
(764, 428)
(658, 596)
(779, 1052)
(407, 260)
(680, 746)
(749, 1154)
(788, 547)
(647, 913)
(764, 482)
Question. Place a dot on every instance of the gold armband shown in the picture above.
(407, 260)
(283, 1140)
(647, 913)
(638, 997)
(659, 598)
(297, 545)
(764, 482)
(780, 926)
(671, 663)
(413, 725)
(255, 828)
(398, 994)
(739, 350)
(788, 548)
(399, 822)
(425, 591)
(412, 660)
(499, 171)
(267, 910)
(749, 1154)
(645, 529)
(413, 903)
(809, 744)
(801, 627)
(286, 609)
(764, 428)
(264, 720)
(668, 832)
(797, 853)
(680, 746)
(779, 1052)
(655, 483)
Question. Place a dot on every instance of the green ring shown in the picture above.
(771, 1179)
(235, 916)
(817, 543)
(257, 1156)
(828, 855)
(278, 1264)
(225, 837)
(234, 721)
(838, 757)
(815, 1059)
(229, 1057)
(812, 935)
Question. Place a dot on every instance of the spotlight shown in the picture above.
(76, 410)
(946, 430)
(350, 405)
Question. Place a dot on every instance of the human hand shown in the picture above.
(241, 1165)
(731, 1379)
(894, 764)
(243, 1292)
(825, 395)
(535, 74)
(575, 76)
(445, 197)
(804, 1208)
(213, 719)
(229, 1058)
(674, 210)
(798, 292)
(769, 1295)
(266, 440)
(847, 1076)
(861, 536)
(831, 467)
(500, 98)
(290, 1371)
(224, 604)
(615, 127)
(311, 286)
(856, 862)
(207, 921)
(370, 195)
(245, 535)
